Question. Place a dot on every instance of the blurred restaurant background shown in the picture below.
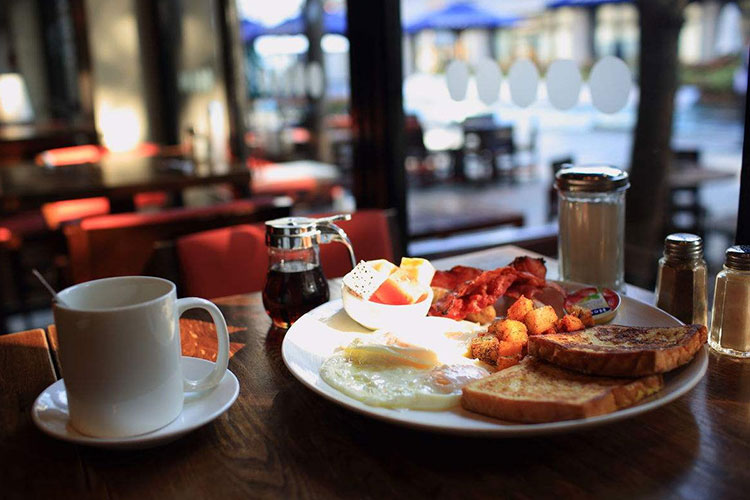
(166, 117)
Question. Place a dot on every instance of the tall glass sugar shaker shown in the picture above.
(591, 245)
(681, 279)
(730, 321)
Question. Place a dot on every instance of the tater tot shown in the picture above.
(520, 308)
(583, 314)
(512, 336)
(510, 330)
(484, 348)
(570, 323)
(540, 320)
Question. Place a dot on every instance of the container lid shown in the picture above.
(683, 246)
(591, 179)
(292, 233)
(738, 257)
(602, 302)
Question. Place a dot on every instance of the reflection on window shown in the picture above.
(297, 75)
(564, 87)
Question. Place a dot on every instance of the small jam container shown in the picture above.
(602, 302)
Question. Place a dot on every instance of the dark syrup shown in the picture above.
(292, 291)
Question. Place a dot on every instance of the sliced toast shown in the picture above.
(535, 391)
(620, 351)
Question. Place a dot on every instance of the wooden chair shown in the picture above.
(235, 260)
(685, 212)
(124, 244)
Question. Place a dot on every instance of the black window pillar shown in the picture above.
(743, 213)
(374, 31)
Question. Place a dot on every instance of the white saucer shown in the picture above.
(50, 411)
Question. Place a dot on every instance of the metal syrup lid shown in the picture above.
(292, 233)
(738, 258)
(591, 179)
(683, 246)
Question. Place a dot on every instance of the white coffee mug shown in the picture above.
(120, 354)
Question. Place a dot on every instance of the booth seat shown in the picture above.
(124, 244)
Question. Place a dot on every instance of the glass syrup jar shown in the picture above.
(295, 283)
(730, 321)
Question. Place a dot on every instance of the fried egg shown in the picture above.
(420, 368)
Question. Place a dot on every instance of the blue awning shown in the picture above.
(582, 3)
(250, 29)
(460, 16)
(333, 22)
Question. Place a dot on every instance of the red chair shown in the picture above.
(124, 244)
(371, 236)
(234, 260)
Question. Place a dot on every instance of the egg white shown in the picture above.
(420, 366)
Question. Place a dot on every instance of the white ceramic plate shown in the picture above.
(314, 337)
(50, 411)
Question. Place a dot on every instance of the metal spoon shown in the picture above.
(51, 290)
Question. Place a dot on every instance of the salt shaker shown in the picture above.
(591, 246)
(681, 279)
(730, 321)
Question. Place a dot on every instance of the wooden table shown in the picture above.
(28, 186)
(281, 440)
(694, 176)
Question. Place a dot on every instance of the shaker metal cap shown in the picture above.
(738, 257)
(292, 233)
(591, 179)
(683, 246)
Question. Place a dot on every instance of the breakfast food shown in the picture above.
(541, 320)
(397, 370)
(399, 289)
(602, 303)
(549, 360)
(471, 290)
(520, 308)
(534, 391)
(625, 351)
(418, 270)
(378, 293)
(504, 342)
(383, 282)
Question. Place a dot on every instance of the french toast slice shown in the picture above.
(534, 391)
(621, 351)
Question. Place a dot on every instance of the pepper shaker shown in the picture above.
(681, 279)
(730, 321)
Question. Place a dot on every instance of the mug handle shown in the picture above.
(222, 358)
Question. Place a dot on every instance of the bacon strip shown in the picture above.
(473, 289)
(530, 265)
(457, 275)
(473, 296)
